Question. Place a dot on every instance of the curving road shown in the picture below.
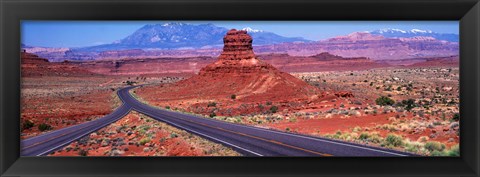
(248, 140)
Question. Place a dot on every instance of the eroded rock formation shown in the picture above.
(239, 72)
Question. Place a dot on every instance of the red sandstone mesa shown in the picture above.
(34, 66)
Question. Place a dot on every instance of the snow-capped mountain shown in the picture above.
(250, 30)
(185, 36)
(399, 33)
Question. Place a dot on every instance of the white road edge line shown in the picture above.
(82, 124)
(336, 143)
(316, 139)
(80, 136)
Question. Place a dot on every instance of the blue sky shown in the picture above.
(88, 33)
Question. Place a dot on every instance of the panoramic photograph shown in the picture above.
(240, 88)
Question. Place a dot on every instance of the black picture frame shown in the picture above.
(13, 11)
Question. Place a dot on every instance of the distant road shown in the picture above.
(248, 140)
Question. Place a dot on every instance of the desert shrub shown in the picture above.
(364, 136)
(434, 146)
(233, 96)
(269, 103)
(212, 114)
(173, 135)
(274, 109)
(393, 140)
(260, 106)
(167, 107)
(44, 127)
(438, 153)
(131, 82)
(454, 151)
(375, 138)
(389, 88)
(144, 141)
(413, 147)
(83, 152)
(383, 100)
(408, 104)
(456, 117)
(356, 129)
(27, 124)
(143, 128)
(212, 104)
(287, 129)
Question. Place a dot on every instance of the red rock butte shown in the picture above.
(238, 71)
(237, 46)
(237, 56)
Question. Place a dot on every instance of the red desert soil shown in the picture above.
(139, 135)
(382, 124)
(60, 112)
(61, 95)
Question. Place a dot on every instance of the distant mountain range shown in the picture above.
(185, 36)
(188, 40)
(365, 44)
(398, 33)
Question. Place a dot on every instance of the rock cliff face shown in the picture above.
(237, 46)
(34, 66)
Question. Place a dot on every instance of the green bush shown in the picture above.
(44, 127)
(167, 107)
(456, 117)
(454, 151)
(233, 96)
(213, 114)
(274, 109)
(27, 124)
(144, 141)
(434, 146)
(83, 153)
(383, 100)
(131, 82)
(364, 136)
(212, 104)
(438, 153)
(393, 140)
(413, 147)
(408, 104)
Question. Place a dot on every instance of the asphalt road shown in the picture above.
(48, 142)
(248, 140)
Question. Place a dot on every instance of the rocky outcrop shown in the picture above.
(345, 94)
(237, 71)
(237, 57)
(237, 46)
